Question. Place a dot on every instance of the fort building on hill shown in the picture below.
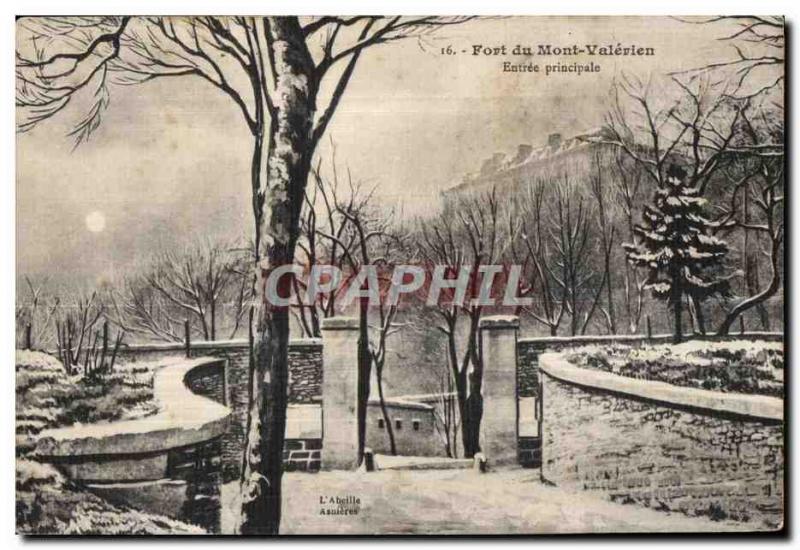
(574, 157)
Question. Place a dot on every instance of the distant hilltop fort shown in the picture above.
(558, 157)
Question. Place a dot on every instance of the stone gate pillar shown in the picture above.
(498, 435)
(339, 393)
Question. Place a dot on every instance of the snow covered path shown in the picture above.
(463, 502)
(184, 418)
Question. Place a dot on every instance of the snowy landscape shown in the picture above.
(348, 275)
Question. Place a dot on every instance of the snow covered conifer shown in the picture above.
(676, 247)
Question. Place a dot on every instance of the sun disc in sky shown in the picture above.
(95, 221)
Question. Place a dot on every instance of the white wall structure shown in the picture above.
(498, 435)
(413, 426)
(339, 393)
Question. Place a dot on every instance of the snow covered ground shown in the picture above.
(692, 350)
(49, 504)
(389, 462)
(442, 502)
(737, 366)
(47, 397)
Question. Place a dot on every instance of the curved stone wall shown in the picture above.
(167, 463)
(528, 385)
(681, 449)
(529, 350)
(183, 418)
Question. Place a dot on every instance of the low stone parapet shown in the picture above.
(673, 448)
(184, 418)
(169, 462)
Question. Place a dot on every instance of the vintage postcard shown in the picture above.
(416, 275)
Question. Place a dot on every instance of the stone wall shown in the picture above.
(209, 381)
(200, 466)
(528, 385)
(237, 368)
(305, 371)
(305, 383)
(529, 452)
(527, 368)
(302, 455)
(529, 349)
(694, 460)
(190, 490)
(168, 463)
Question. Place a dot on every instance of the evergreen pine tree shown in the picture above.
(676, 247)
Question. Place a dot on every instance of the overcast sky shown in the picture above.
(170, 161)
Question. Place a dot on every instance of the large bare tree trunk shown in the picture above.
(288, 163)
